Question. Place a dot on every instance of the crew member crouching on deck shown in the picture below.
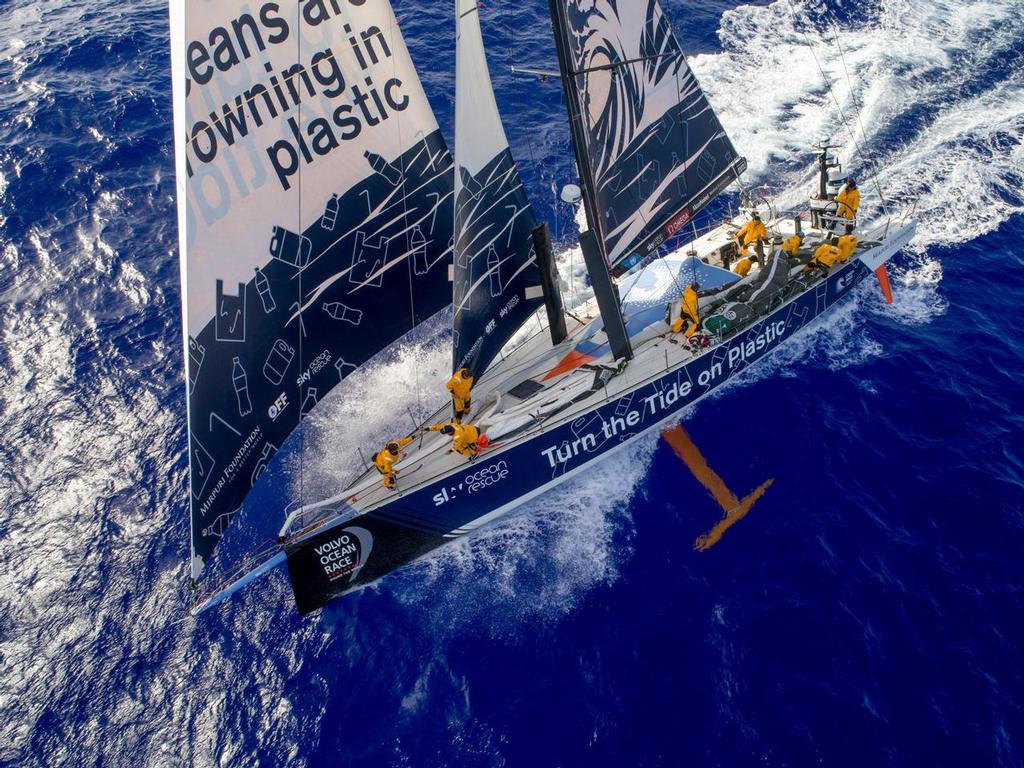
(387, 457)
(466, 439)
(460, 385)
(689, 314)
(824, 257)
(847, 244)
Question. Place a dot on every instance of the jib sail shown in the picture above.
(497, 284)
(315, 208)
(650, 149)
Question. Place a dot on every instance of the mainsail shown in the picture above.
(497, 284)
(315, 209)
(650, 150)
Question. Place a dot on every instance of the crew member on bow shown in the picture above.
(387, 457)
(689, 313)
(754, 232)
(460, 386)
(466, 439)
(848, 200)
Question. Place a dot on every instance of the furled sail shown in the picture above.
(497, 284)
(315, 208)
(650, 149)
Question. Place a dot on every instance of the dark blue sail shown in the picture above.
(651, 150)
(497, 283)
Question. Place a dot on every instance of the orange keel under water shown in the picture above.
(883, 281)
(735, 509)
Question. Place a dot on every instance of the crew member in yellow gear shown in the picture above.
(387, 457)
(792, 244)
(464, 437)
(824, 257)
(754, 232)
(742, 267)
(460, 385)
(689, 315)
(847, 244)
(848, 200)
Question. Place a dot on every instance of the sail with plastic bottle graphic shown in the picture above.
(497, 283)
(315, 206)
(650, 148)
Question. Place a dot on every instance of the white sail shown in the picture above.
(496, 279)
(314, 205)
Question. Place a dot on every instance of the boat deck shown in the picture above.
(536, 385)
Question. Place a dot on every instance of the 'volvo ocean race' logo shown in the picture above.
(344, 555)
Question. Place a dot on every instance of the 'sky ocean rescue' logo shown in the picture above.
(345, 554)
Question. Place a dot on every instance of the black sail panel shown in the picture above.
(654, 150)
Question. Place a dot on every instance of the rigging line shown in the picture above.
(299, 325)
(409, 262)
(873, 165)
(828, 85)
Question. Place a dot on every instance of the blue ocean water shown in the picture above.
(868, 611)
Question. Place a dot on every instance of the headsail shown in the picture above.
(315, 207)
(651, 151)
(497, 284)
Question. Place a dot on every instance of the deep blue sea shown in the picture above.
(869, 611)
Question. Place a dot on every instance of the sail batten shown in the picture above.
(650, 150)
(316, 205)
(496, 280)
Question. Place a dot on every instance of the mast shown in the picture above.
(650, 150)
(605, 290)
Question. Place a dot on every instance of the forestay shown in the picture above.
(651, 150)
(315, 206)
(496, 278)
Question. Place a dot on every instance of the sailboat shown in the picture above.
(322, 218)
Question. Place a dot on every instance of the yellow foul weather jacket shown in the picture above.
(847, 245)
(849, 202)
(751, 232)
(688, 311)
(464, 437)
(460, 387)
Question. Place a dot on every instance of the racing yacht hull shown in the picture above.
(351, 550)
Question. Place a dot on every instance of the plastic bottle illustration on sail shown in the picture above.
(290, 248)
(241, 384)
(230, 317)
(494, 270)
(339, 311)
(269, 449)
(308, 403)
(263, 289)
(330, 217)
(276, 365)
(383, 167)
(418, 241)
(196, 355)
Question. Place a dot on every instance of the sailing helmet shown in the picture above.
(447, 429)
(464, 373)
(392, 448)
(755, 215)
(851, 183)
